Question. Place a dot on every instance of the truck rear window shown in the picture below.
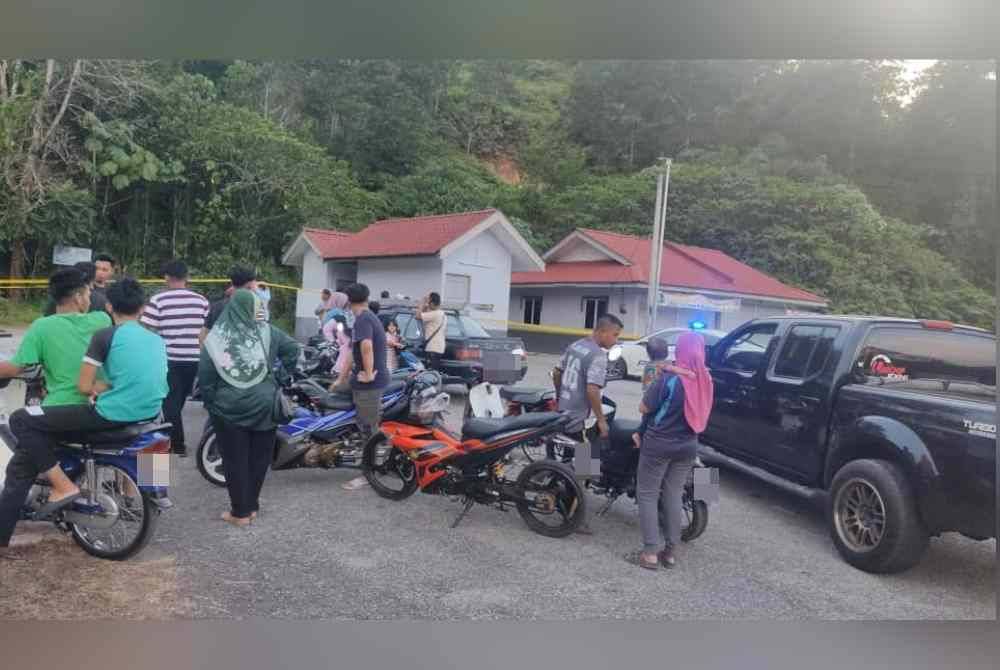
(905, 354)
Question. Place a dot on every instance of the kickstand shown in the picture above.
(469, 502)
(604, 510)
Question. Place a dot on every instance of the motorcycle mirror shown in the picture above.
(615, 352)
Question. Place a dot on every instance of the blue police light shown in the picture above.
(697, 325)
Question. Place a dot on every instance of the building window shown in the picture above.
(594, 309)
(533, 310)
(457, 289)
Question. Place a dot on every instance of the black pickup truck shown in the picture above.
(890, 422)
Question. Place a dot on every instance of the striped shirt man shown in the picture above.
(178, 315)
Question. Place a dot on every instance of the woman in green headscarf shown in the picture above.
(238, 388)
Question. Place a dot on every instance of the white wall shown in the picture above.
(578, 251)
(313, 281)
(562, 307)
(487, 264)
(414, 277)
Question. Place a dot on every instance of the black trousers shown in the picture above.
(246, 456)
(180, 378)
(37, 435)
(433, 360)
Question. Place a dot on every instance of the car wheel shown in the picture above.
(874, 521)
(619, 370)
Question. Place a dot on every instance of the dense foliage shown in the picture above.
(840, 177)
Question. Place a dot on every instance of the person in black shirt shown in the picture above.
(371, 373)
(239, 277)
(98, 301)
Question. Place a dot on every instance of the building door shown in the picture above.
(594, 309)
(533, 310)
(457, 289)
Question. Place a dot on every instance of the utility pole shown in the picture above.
(656, 242)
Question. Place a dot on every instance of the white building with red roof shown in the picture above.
(468, 258)
(590, 272)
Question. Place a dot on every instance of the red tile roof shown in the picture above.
(326, 241)
(682, 266)
(419, 236)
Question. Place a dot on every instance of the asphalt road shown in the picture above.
(318, 551)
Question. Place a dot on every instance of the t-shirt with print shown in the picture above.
(435, 324)
(665, 422)
(178, 316)
(368, 327)
(58, 343)
(134, 362)
(584, 363)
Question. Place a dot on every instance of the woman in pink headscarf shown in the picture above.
(675, 408)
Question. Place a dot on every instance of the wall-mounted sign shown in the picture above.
(63, 255)
(698, 301)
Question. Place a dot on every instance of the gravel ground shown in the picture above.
(318, 551)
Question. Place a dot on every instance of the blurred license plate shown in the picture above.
(154, 470)
(706, 484)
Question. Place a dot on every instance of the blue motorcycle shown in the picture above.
(323, 434)
(122, 473)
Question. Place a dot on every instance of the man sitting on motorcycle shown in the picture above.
(133, 366)
(57, 343)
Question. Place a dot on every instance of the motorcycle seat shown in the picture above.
(482, 428)
(122, 434)
(525, 395)
(344, 400)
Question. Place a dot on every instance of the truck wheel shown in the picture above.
(873, 517)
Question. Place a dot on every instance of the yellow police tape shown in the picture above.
(558, 330)
(40, 283)
(511, 325)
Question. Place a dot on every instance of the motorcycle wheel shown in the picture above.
(556, 484)
(695, 516)
(381, 459)
(209, 459)
(136, 511)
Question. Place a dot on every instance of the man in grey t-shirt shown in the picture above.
(579, 378)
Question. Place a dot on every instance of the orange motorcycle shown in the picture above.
(419, 452)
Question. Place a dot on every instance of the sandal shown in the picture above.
(636, 558)
(50, 508)
(239, 522)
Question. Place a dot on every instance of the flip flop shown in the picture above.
(635, 558)
(48, 509)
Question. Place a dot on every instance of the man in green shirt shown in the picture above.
(57, 343)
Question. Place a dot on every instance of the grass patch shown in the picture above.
(23, 312)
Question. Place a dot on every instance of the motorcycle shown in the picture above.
(619, 457)
(122, 473)
(619, 463)
(417, 452)
(323, 433)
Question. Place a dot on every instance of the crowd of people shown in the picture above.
(112, 357)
